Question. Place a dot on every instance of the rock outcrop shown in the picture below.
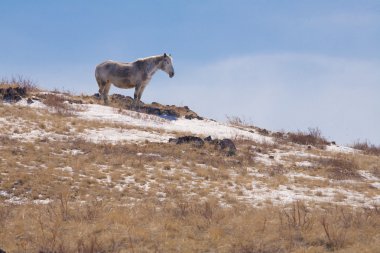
(196, 141)
(226, 145)
(12, 93)
(166, 111)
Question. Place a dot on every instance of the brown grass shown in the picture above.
(341, 167)
(20, 81)
(159, 197)
(313, 137)
(59, 104)
(185, 226)
(367, 147)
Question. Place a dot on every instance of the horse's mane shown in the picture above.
(149, 58)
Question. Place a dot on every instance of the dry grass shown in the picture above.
(159, 197)
(185, 226)
(20, 81)
(59, 104)
(341, 167)
(313, 137)
(367, 147)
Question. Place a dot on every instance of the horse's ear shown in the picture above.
(165, 55)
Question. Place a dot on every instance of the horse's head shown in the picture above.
(167, 65)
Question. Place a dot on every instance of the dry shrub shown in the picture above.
(59, 104)
(20, 81)
(237, 121)
(376, 171)
(276, 170)
(367, 147)
(341, 168)
(6, 140)
(312, 137)
(242, 122)
(342, 226)
(187, 225)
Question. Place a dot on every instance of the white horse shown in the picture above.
(131, 75)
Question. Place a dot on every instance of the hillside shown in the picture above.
(79, 176)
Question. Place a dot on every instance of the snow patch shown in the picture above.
(198, 127)
(305, 164)
(340, 149)
(114, 135)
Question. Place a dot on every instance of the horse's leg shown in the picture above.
(136, 101)
(138, 93)
(101, 85)
(106, 89)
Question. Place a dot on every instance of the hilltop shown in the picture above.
(79, 176)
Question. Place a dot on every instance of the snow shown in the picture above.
(35, 104)
(306, 164)
(198, 127)
(368, 176)
(279, 157)
(119, 135)
(303, 175)
(140, 127)
(66, 169)
(37, 134)
(288, 194)
(340, 149)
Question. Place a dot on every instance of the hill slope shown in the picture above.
(110, 177)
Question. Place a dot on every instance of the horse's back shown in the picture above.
(108, 68)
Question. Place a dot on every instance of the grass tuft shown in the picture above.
(367, 147)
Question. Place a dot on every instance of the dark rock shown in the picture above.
(170, 112)
(160, 112)
(172, 140)
(125, 100)
(190, 116)
(208, 139)
(263, 131)
(2, 251)
(30, 101)
(188, 139)
(271, 157)
(333, 143)
(12, 94)
(225, 144)
(152, 110)
(309, 147)
(229, 145)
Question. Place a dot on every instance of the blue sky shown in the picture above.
(278, 64)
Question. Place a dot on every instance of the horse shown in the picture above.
(129, 75)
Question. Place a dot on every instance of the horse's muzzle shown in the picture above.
(171, 74)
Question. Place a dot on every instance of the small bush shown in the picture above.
(20, 81)
(341, 168)
(237, 121)
(312, 137)
(367, 147)
(58, 104)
